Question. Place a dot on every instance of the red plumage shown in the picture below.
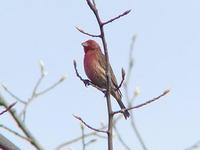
(95, 69)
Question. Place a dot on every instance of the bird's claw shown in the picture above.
(86, 82)
(105, 93)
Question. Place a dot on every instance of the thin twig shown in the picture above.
(145, 103)
(36, 94)
(123, 77)
(92, 133)
(86, 81)
(75, 140)
(196, 146)
(12, 94)
(82, 31)
(23, 112)
(120, 138)
(94, 129)
(37, 85)
(8, 108)
(133, 124)
(115, 18)
(83, 137)
(90, 142)
(51, 87)
(131, 100)
(15, 133)
(21, 125)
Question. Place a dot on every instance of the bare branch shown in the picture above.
(90, 142)
(36, 94)
(120, 138)
(131, 99)
(115, 18)
(145, 103)
(196, 146)
(15, 133)
(21, 125)
(8, 108)
(82, 31)
(12, 95)
(51, 87)
(86, 81)
(83, 137)
(77, 139)
(6, 144)
(94, 129)
(123, 77)
(93, 133)
(37, 85)
(92, 6)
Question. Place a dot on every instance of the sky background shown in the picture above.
(166, 54)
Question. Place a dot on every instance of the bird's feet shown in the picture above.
(86, 82)
(105, 93)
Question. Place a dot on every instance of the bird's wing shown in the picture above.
(102, 62)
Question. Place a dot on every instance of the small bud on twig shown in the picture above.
(42, 69)
(137, 91)
(62, 78)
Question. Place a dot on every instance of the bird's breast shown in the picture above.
(93, 69)
(90, 62)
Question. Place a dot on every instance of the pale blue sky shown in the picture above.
(166, 56)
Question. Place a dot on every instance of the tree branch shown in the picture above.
(94, 129)
(21, 125)
(82, 31)
(6, 144)
(86, 81)
(8, 108)
(92, 6)
(14, 132)
(83, 137)
(115, 18)
(123, 77)
(145, 103)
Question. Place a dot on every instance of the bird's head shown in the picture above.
(90, 45)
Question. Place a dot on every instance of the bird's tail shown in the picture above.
(118, 97)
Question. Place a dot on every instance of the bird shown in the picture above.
(95, 69)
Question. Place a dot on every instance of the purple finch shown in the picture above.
(95, 69)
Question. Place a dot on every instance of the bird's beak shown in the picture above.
(84, 44)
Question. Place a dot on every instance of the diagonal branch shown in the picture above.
(6, 144)
(13, 95)
(120, 138)
(21, 125)
(94, 129)
(8, 108)
(15, 133)
(143, 104)
(123, 77)
(115, 18)
(86, 81)
(86, 33)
